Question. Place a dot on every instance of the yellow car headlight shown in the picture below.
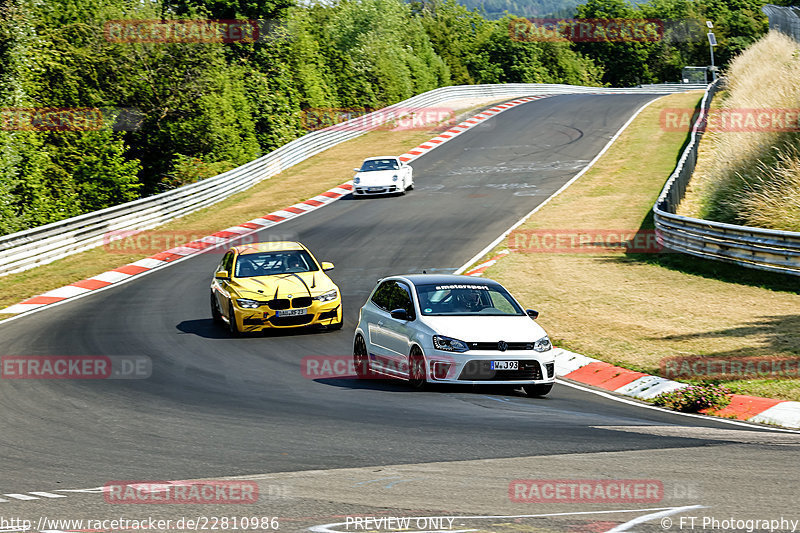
(246, 303)
(326, 296)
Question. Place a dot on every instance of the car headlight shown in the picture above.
(394, 178)
(543, 344)
(326, 296)
(356, 180)
(247, 303)
(448, 344)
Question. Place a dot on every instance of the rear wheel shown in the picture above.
(361, 358)
(538, 390)
(416, 369)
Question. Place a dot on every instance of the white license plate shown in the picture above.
(505, 365)
(293, 312)
(375, 189)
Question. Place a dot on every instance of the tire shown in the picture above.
(216, 316)
(538, 390)
(416, 369)
(233, 329)
(361, 358)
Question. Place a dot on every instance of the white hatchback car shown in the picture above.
(428, 328)
(382, 175)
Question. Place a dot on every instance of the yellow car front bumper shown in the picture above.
(263, 318)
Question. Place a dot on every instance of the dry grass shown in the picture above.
(304, 180)
(635, 310)
(753, 177)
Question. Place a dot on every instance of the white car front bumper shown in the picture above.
(474, 367)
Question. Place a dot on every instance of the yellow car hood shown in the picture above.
(282, 285)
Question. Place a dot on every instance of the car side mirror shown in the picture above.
(327, 265)
(399, 314)
(531, 313)
(222, 274)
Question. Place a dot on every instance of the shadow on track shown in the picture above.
(206, 328)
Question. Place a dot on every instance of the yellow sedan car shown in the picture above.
(274, 285)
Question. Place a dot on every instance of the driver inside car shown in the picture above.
(468, 301)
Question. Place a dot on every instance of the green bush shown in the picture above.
(695, 398)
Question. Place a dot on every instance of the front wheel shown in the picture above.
(538, 390)
(361, 359)
(215, 314)
(416, 369)
(233, 328)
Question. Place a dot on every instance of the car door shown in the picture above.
(222, 295)
(397, 332)
(374, 315)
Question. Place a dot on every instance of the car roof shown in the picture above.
(381, 157)
(447, 279)
(271, 246)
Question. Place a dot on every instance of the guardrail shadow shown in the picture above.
(773, 337)
(722, 271)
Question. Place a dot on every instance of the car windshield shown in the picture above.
(466, 299)
(379, 164)
(279, 262)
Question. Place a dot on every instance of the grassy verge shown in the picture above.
(749, 169)
(304, 180)
(635, 309)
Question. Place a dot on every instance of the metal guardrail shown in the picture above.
(772, 250)
(784, 19)
(41, 245)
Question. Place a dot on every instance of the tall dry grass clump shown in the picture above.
(753, 177)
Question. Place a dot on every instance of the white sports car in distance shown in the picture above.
(382, 175)
(451, 329)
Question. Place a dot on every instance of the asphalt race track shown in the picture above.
(217, 406)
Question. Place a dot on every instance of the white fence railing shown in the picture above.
(30, 248)
(784, 19)
(772, 250)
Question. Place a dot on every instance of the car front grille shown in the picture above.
(303, 301)
(481, 371)
(280, 304)
(291, 320)
(489, 346)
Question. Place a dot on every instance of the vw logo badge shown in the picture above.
(502, 346)
(290, 296)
